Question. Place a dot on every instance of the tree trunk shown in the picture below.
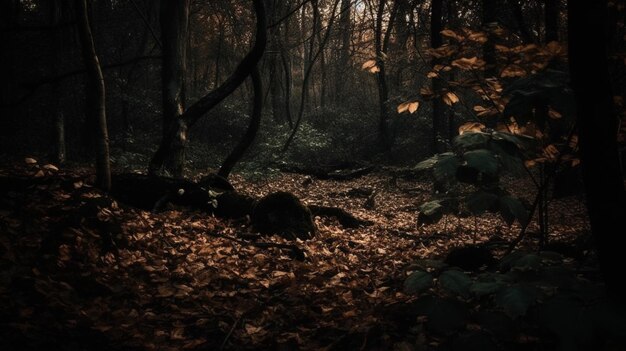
(597, 125)
(345, 30)
(439, 117)
(382, 44)
(95, 101)
(253, 128)
(174, 27)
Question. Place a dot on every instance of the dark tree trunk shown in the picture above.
(174, 27)
(95, 102)
(382, 44)
(439, 117)
(345, 30)
(597, 125)
(253, 128)
(552, 20)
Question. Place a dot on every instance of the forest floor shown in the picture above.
(81, 271)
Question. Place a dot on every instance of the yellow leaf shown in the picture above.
(471, 127)
(478, 37)
(251, 329)
(512, 71)
(554, 114)
(50, 167)
(451, 34)
(502, 48)
(450, 98)
(408, 106)
(368, 64)
(467, 63)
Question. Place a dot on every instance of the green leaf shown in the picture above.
(486, 288)
(482, 160)
(481, 201)
(445, 168)
(418, 282)
(430, 212)
(455, 282)
(515, 300)
(511, 209)
(472, 140)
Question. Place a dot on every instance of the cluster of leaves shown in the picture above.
(479, 160)
(534, 288)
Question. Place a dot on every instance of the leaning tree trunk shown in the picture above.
(95, 102)
(598, 128)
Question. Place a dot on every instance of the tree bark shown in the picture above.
(598, 128)
(95, 97)
(382, 43)
(174, 21)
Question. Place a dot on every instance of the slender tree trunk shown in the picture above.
(174, 27)
(597, 125)
(382, 44)
(95, 103)
(253, 128)
(345, 30)
(439, 116)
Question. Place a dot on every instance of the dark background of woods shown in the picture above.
(348, 113)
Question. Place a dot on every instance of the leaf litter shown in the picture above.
(81, 270)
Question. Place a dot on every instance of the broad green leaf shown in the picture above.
(481, 201)
(515, 300)
(455, 282)
(445, 168)
(418, 282)
(511, 209)
(482, 160)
